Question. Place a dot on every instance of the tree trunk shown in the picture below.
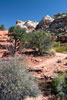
(39, 52)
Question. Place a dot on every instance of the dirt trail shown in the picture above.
(48, 67)
(58, 56)
(51, 66)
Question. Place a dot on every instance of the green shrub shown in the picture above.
(59, 85)
(2, 27)
(61, 49)
(17, 33)
(39, 40)
(57, 44)
(15, 81)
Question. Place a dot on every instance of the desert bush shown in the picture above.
(15, 81)
(61, 49)
(59, 85)
(39, 40)
(57, 44)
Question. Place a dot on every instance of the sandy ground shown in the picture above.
(49, 65)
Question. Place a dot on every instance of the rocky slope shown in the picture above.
(4, 43)
(45, 22)
(28, 25)
(57, 24)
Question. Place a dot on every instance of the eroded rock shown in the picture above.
(28, 25)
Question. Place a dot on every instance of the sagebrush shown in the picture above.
(15, 81)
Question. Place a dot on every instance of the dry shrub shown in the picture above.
(15, 81)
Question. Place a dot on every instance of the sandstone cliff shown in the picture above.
(57, 24)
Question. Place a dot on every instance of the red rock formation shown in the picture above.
(4, 43)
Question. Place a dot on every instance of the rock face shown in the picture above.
(45, 22)
(28, 25)
(62, 38)
(57, 24)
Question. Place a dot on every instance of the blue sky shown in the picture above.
(12, 10)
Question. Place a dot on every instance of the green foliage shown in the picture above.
(2, 27)
(59, 85)
(15, 81)
(17, 34)
(57, 44)
(39, 40)
(61, 49)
